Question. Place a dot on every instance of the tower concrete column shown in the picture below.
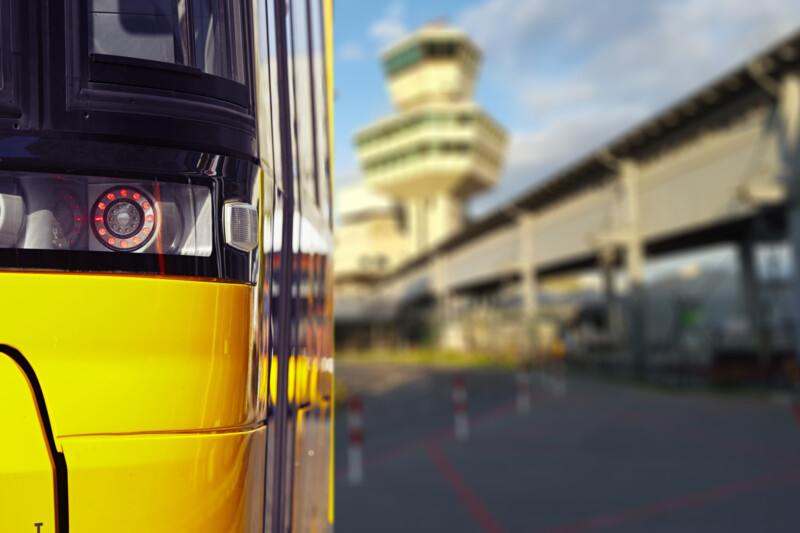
(789, 141)
(445, 217)
(417, 217)
(443, 304)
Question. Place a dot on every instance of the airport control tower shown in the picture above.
(439, 148)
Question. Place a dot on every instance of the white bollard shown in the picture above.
(355, 441)
(460, 414)
(523, 391)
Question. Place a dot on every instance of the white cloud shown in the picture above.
(576, 73)
(556, 142)
(546, 97)
(653, 52)
(391, 26)
(537, 153)
(585, 71)
(351, 52)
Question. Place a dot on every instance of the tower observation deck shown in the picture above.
(439, 148)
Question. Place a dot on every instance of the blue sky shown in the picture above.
(563, 76)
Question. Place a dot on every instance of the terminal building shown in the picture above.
(720, 168)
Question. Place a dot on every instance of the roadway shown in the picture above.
(601, 457)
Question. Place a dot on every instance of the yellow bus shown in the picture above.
(165, 265)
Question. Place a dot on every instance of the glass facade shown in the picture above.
(439, 49)
(461, 118)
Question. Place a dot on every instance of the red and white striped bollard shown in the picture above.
(460, 414)
(355, 440)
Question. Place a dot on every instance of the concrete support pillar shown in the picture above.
(789, 141)
(530, 286)
(750, 301)
(608, 257)
(794, 239)
(634, 261)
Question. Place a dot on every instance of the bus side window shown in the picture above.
(4, 45)
(320, 75)
(9, 89)
(145, 29)
(198, 33)
(304, 105)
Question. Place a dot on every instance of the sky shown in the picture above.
(562, 76)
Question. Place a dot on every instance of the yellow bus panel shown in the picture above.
(27, 492)
(166, 483)
(127, 354)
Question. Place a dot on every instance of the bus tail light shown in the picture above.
(98, 214)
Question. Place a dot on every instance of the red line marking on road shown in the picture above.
(419, 443)
(394, 452)
(470, 500)
(679, 503)
(689, 433)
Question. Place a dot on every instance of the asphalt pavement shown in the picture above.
(589, 455)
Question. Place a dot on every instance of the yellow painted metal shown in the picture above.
(126, 354)
(291, 378)
(273, 380)
(331, 456)
(328, 14)
(259, 330)
(27, 494)
(165, 483)
(313, 395)
(264, 380)
(301, 378)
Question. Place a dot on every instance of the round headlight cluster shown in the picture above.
(123, 219)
